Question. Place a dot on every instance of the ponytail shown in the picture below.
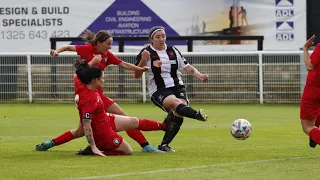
(88, 36)
(93, 39)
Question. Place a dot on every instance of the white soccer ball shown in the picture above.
(241, 129)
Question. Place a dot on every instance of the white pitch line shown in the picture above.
(192, 167)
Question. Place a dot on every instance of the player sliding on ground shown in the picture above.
(96, 53)
(99, 127)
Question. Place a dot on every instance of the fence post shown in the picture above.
(303, 73)
(29, 78)
(190, 45)
(122, 73)
(260, 78)
(144, 88)
(260, 45)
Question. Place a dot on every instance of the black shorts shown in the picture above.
(158, 97)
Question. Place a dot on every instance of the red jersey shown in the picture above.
(78, 84)
(90, 106)
(87, 52)
(313, 78)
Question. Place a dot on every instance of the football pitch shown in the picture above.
(276, 149)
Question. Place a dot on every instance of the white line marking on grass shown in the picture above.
(192, 167)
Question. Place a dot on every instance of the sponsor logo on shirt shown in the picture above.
(157, 63)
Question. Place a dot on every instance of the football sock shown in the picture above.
(164, 126)
(186, 111)
(149, 125)
(136, 135)
(172, 130)
(63, 138)
(315, 135)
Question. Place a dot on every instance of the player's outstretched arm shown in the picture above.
(62, 49)
(195, 73)
(132, 67)
(89, 135)
(307, 60)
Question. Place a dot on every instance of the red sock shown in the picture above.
(63, 138)
(164, 126)
(315, 135)
(136, 135)
(149, 125)
(113, 153)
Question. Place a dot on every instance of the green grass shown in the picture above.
(205, 150)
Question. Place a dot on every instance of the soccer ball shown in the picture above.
(240, 129)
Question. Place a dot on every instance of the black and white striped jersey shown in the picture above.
(166, 66)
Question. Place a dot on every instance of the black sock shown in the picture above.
(186, 111)
(172, 130)
(144, 144)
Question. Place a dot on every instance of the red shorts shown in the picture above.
(110, 140)
(310, 103)
(107, 102)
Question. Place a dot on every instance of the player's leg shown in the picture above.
(310, 129)
(173, 124)
(170, 99)
(173, 103)
(123, 123)
(113, 144)
(114, 108)
(109, 142)
(173, 127)
(312, 143)
(183, 109)
(175, 99)
(309, 113)
(61, 139)
(125, 148)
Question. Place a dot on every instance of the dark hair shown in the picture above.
(155, 28)
(85, 73)
(93, 39)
